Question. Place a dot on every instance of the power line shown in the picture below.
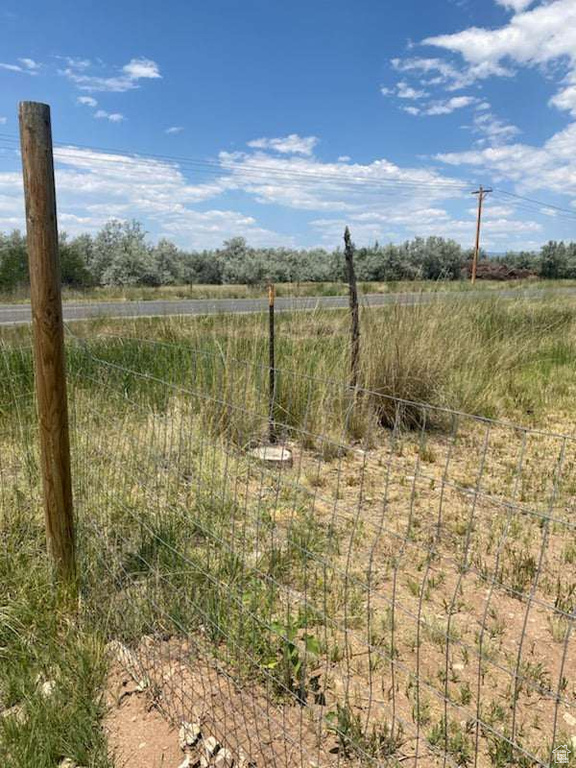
(258, 173)
(219, 166)
(535, 202)
(537, 209)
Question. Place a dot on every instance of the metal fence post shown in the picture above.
(272, 437)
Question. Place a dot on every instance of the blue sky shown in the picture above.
(282, 122)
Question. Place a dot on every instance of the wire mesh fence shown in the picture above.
(403, 591)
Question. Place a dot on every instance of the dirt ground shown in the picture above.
(138, 734)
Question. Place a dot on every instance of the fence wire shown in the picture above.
(402, 590)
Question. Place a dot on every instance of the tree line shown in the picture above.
(120, 254)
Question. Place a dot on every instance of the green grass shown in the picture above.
(41, 643)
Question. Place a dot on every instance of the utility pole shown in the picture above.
(481, 192)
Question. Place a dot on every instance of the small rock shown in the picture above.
(47, 688)
(569, 719)
(275, 455)
(211, 746)
(188, 735)
(185, 763)
(129, 661)
(457, 667)
(224, 759)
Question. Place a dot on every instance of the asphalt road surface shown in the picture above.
(19, 314)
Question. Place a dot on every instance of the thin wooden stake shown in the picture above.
(354, 313)
(272, 437)
(46, 299)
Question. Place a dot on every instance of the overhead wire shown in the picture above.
(258, 174)
(219, 166)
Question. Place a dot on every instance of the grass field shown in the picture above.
(175, 292)
(400, 632)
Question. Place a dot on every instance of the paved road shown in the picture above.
(19, 314)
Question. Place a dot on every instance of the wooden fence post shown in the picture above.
(354, 314)
(48, 330)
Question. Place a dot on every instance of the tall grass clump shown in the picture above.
(490, 358)
(405, 368)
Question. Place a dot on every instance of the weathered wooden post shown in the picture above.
(48, 330)
(354, 314)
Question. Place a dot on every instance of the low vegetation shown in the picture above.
(52, 666)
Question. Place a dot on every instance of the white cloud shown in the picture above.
(542, 37)
(515, 5)
(493, 130)
(87, 101)
(449, 106)
(126, 79)
(535, 37)
(138, 69)
(174, 129)
(492, 211)
(287, 145)
(77, 63)
(113, 117)
(404, 91)
(3, 120)
(344, 159)
(565, 99)
(498, 233)
(551, 167)
(26, 66)
(95, 186)
(308, 184)
(441, 107)
(433, 72)
(30, 64)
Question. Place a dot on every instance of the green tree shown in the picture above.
(13, 261)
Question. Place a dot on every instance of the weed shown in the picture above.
(380, 742)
